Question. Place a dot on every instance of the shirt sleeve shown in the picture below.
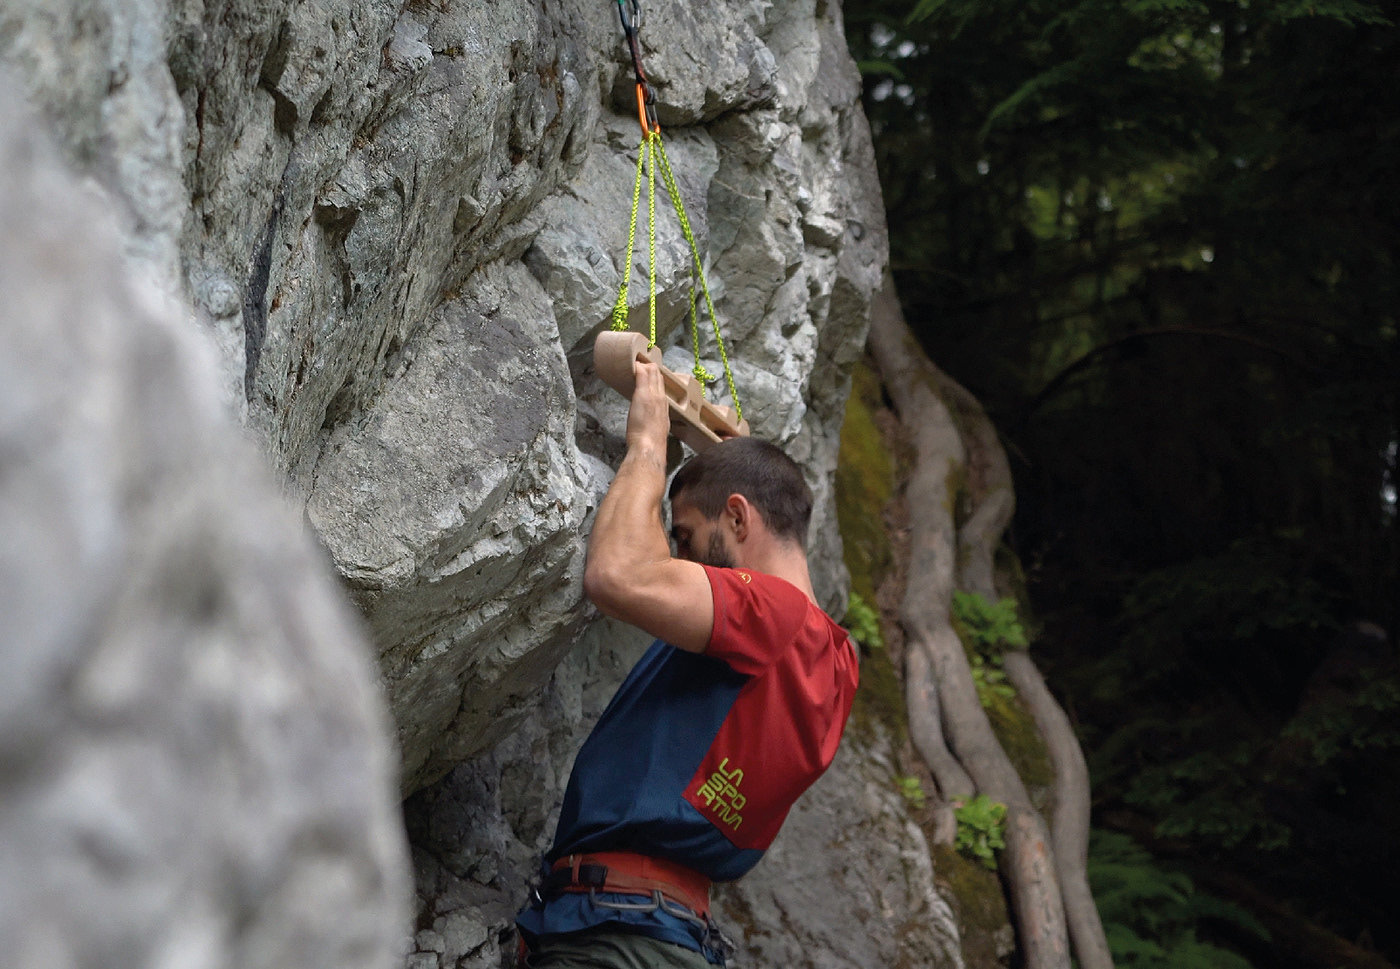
(756, 617)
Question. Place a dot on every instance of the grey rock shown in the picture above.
(407, 51)
(401, 227)
(462, 934)
(453, 509)
(702, 62)
(195, 764)
(429, 940)
(330, 186)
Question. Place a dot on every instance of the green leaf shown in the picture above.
(925, 9)
(879, 68)
(862, 621)
(986, 626)
(981, 827)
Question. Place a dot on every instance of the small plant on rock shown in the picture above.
(990, 680)
(981, 829)
(987, 630)
(913, 790)
(988, 627)
(863, 623)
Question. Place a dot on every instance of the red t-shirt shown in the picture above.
(784, 727)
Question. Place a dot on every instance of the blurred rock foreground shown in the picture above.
(382, 237)
(195, 764)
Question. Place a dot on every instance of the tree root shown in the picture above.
(993, 503)
(1069, 823)
(1027, 861)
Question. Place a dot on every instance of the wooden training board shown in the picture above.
(694, 420)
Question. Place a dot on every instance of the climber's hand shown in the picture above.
(649, 417)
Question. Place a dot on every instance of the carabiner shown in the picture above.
(630, 13)
(646, 109)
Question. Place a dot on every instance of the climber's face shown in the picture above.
(699, 539)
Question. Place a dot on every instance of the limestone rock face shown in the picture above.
(337, 190)
(400, 226)
(455, 513)
(195, 760)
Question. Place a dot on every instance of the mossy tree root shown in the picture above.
(930, 634)
(926, 732)
(939, 458)
(993, 502)
(1069, 822)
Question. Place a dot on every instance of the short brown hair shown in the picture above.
(770, 480)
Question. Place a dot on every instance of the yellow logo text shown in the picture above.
(721, 794)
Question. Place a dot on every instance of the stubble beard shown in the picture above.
(716, 554)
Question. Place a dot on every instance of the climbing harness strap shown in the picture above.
(626, 873)
(651, 160)
(666, 887)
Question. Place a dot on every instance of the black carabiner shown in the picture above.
(630, 13)
(630, 24)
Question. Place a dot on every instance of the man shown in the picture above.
(734, 711)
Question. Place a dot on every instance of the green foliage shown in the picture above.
(981, 829)
(913, 791)
(1159, 240)
(988, 627)
(1349, 12)
(1073, 184)
(1252, 588)
(990, 681)
(1365, 719)
(1214, 794)
(1244, 626)
(879, 69)
(1151, 916)
(863, 623)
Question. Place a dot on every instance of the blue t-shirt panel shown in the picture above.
(625, 791)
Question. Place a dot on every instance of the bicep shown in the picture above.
(671, 600)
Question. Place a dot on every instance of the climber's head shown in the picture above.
(710, 526)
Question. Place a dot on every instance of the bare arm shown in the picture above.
(630, 573)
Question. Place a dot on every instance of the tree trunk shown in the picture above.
(1027, 862)
(934, 561)
(993, 503)
(926, 725)
(1069, 821)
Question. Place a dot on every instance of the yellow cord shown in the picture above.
(619, 315)
(699, 371)
(670, 179)
(652, 151)
(653, 139)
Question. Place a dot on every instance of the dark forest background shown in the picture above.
(1159, 240)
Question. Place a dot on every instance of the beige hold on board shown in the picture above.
(694, 420)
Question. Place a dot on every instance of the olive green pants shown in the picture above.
(603, 949)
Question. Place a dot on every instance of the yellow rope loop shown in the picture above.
(619, 314)
(654, 138)
(668, 176)
(701, 374)
(651, 157)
